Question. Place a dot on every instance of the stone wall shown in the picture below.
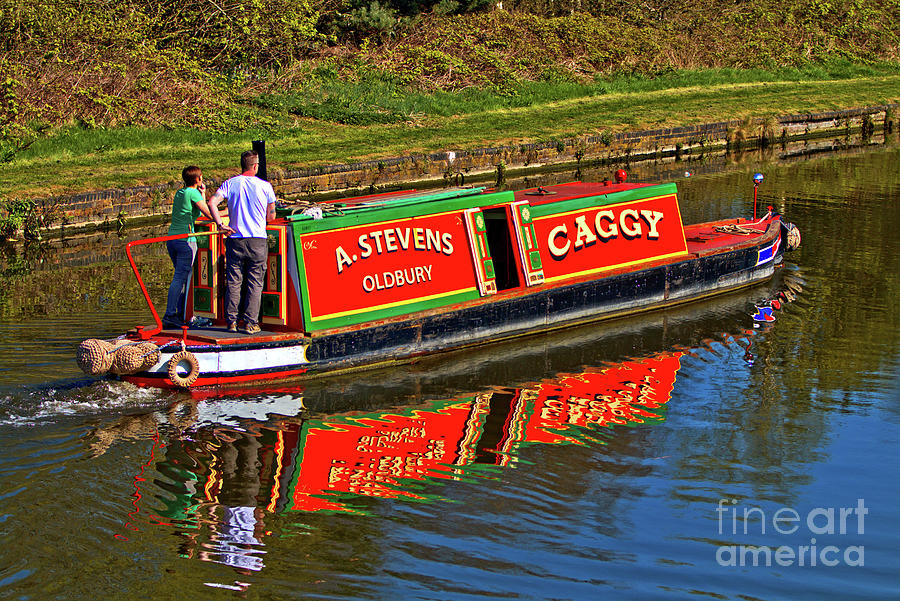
(110, 208)
(454, 166)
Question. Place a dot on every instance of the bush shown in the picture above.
(155, 63)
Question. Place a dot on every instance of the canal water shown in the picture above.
(710, 451)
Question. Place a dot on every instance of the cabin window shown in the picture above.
(499, 239)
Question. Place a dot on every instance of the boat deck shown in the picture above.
(220, 335)
(706, 238)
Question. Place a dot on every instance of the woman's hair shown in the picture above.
(191, 175)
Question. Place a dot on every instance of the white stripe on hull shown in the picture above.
(215, 362)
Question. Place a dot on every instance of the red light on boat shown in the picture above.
(621, 176)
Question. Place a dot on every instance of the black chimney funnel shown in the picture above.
(260, 147)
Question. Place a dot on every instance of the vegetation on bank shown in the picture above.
(96, 94)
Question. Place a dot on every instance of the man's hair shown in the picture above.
(191, 175)
(249, 158)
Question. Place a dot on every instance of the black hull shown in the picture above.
(541, 311)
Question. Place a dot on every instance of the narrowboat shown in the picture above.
(386, 278)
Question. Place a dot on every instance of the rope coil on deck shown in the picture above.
(735, 229)
(316, 210)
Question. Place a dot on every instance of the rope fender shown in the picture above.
(184, 359)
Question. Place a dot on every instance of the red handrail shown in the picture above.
(141, 333)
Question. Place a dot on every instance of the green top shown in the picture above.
(185, 211)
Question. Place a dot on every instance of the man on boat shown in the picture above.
(251, 204)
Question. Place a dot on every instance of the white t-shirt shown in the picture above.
(248, 200)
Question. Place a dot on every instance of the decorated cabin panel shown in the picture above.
(476, 229)
(593, 239)
(292, 281)
(373, 271)
(206, 276)
(273, 303)
(529, 251)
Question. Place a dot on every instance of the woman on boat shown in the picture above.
(188, 204)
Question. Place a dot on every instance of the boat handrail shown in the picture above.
(142, 334)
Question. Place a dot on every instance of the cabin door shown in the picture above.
(504, 247)
(532, 266)
(206, 273)
(500, 242)
(476, 228)
(273, 302)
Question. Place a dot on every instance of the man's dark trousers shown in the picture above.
(245, 265)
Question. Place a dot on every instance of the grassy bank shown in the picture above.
(80, 158)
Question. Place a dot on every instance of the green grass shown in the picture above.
(379, 101)
(834, 70)
(328, 122)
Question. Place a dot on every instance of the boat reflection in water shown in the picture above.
(223, 475)
(226, 465)
(376, 455)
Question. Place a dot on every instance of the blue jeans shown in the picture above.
(182, 253)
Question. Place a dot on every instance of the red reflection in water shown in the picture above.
(375, 455)
(293, 463)
(137, 496)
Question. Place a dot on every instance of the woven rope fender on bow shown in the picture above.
(95, 356)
